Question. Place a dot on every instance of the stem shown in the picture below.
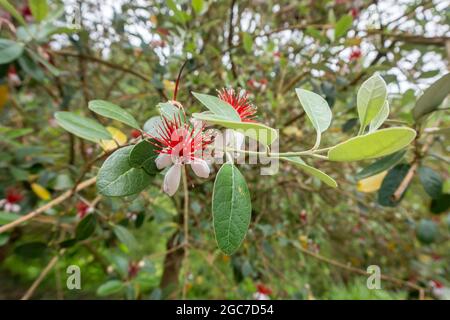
(311, 153)
(186, 229)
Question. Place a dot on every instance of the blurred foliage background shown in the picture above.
(306, 240)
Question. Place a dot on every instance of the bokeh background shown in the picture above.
(306, 240)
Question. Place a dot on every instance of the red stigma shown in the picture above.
(13, 196)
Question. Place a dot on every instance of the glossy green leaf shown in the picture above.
(381, 165)
(390, 184)
(217, 106)
(117, 178)
(441, 204)
(427, 231)
(254, 130)
(231, 207)
(110, 287)
(126, 237)
(342, 26)
(143, 155)
(10, 50)
(312, 171)
(39, 9)
(431, 182)
(86, 227)
(82, 127)
(370, 99)
(112, 111)
(373, 145)
(432, 97)
(379, 118)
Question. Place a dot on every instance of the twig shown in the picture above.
(360, 271)
(47, 206)
(39, 279)
(186, 229)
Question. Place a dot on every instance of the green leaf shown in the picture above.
(82, 127)
(427, 231)
(126, 237)
(10, 8)
(432, 97)
(112, 111)
(50, 67)
(217, 106)
(10, 50)
(381, 165)
(247, 40)
(370, 99)
(231, 207)
(143, 155)
(342, 26)
(7, 217)
(110, 287)
(117, 178)
(390, 184)
(312, 171)
(152, 126)
(197, 5)
(441, 204)
(379, 118)
(39, 9)
(431, 181)
(254, 130)
(373, 145)
(86, 227)
(31, 250)
(316, 109)
(169, 110)
(31, 68)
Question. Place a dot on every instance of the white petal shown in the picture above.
(2, 202)
(172, 179)
(15, 208)
(163, 160)
(234, 139)
(200, 168)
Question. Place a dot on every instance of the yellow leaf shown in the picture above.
(118, 138)
(41, 192)
(4, 95)
(169, 85)
(371, 184)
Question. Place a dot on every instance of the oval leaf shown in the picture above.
(126, 237)
(432, 97)
(312, 171)
(381, 165)
(316, 109)
(427, 231)
(254, 130)
(231, 207)
(143, 155)
(390, 184)
(10, 50)
(112, 111)
(110, 287)
(431, 181)
(372, 145)
(379, 118)
(370, 99)
(117, 178)
(82, 127)
(217, 106)
(86, 227)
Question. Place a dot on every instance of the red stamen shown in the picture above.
(239, 101)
